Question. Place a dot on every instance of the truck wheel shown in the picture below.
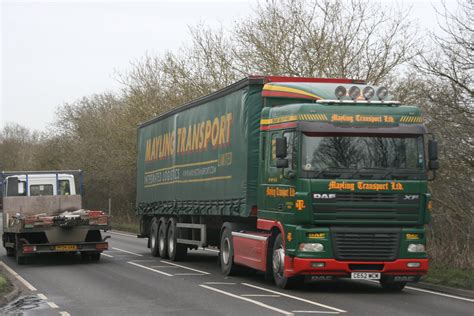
(226, 254)
(10, 251)
(390, 285)
(162, 240)
(175, 251)
(278, 266)
(20, 259)
(154, 238)
(94, 257)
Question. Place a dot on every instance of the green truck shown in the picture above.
(301, 178)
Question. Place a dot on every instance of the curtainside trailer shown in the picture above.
(301, 178)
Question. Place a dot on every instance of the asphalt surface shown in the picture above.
(129, 281)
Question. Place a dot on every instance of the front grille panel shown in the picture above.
(366, 197)
(358, 207)
(365, 244)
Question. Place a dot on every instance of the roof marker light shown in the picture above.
(340, 92)
(382, 93)
(368, 92)
(354, 92)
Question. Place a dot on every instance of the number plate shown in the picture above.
(66, 248)
(365, 275)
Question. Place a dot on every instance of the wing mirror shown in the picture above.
(281, 152)
(433, 163)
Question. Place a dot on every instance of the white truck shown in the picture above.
(42, 213)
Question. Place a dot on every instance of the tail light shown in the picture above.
(102, 246)
(29, 249)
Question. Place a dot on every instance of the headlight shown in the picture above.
(354, 92)
(368, 92)
(416, 248)
(340, 92)
(312, 247)
(382, 93)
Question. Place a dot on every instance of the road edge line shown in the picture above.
(28, 285)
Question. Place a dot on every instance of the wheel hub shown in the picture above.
(225, 251)
(278, 261)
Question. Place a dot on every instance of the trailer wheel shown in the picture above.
(390, 285)
(162, 239)
(176, 251)
(154, 238)
(226, 254)
(278, 266)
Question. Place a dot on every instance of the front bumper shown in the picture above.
(303, 266)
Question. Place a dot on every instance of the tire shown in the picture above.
(226, 254)
(278, 266)
(10, 251)
(154, 238)
(94, 257)
(21, 260)
(176, 251)
(392, 286)
(85, 256)
(162, 239)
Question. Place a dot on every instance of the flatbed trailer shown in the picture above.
(43, 214)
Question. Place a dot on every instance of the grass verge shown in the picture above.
(125, 225)
(449, 276)
(4, 284)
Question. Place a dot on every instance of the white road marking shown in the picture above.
(42, 296)
(63, 313)
(223, 283)
(166, 267)
(295, 298)
(52, 305)
(187, 274)
(260, 295)
(147, 268)
(441, 294)
(184, 267)
(248, 300)
(434, 293)
(121, 234)
(19, 278)
(126, 251)
(104, 254)
(316, 312)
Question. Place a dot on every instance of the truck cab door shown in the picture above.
(277, 189)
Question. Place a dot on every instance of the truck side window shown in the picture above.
(64, 187)
(291, 149)
(41, 189)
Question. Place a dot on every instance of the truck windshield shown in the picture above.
(351, 154)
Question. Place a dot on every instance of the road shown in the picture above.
(129, 281)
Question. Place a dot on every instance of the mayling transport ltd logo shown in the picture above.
(365, 186)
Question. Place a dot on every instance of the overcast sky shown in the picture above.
(58, 51)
